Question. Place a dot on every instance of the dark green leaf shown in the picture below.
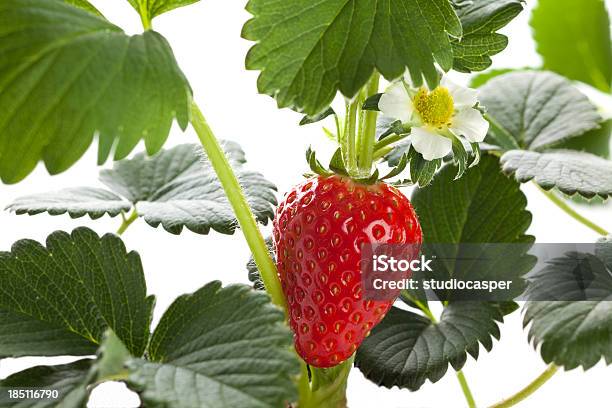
(422, 171)
(537, 109)
(60, 299)
(77, 202)
(70, 381)
(406, 349)
(175, 188)
(153, 8)
(308, 51)
(307, 120)
(226, 346)
(85, 5)
(576, 332)
(568, 170)
(573, 38)
(66, 74)
(451, 212)
(480, 20)
(254, 276)
(372, 102)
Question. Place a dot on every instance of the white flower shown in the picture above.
(435, 116)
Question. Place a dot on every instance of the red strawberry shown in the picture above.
(318, 232)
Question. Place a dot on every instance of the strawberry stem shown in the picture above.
(529, 389)
(127, 222)
(559, 202)
(367, 134)
(466, 390)
(328, 386)
(239, 204)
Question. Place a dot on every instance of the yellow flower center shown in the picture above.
(436, 108)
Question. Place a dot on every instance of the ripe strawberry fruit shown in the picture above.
(318, 232)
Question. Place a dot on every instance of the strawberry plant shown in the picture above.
(420, 161)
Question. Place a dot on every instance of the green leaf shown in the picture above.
(226, 346)
(422, 171)
(77, 202)
(308, 51)
(72, 381)
(153, 8)
(480, 20)
(576, 332)
(596, 141)
(537, 109)
(60, 299)
(573, 38)
(569, 171)
(254, 275)
(68, 379)
(85, 5)
(175, 188)
(452, 211)
(406, 349)
(482, 78)
(66, 74)
(307, 120)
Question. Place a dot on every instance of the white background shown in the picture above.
(206, 40)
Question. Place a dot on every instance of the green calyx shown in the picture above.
(337, 166)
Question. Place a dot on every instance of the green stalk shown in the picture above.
(348, 144)
(246, 220)
(367, 131)
(529, 389)
(329, 386)
(571, 212)
(127, 221)
(466, 390)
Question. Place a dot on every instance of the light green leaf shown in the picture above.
(573, 38)
(85, 5)
(480, 20)
(77, 202)
(70, 381)
(176, 188)
(596, 141)
(537, 109)
(60, 299)
(66, 74)
(406, 349)
(153, 8)
(574, 332)
(478, 80)
(226, 346)
(569, 171)
(308, 51)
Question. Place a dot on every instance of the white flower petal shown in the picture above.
(430, 144)
(396, 103)
(470, 124)
(463, 97)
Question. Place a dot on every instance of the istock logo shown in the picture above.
(385, 263)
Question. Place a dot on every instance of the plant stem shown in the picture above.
(329, 386)
(349, 153)
(529, 389)
(246, 220)
(144, 17)
(571, 212)
(367, 137)
(466, 390)
(127, 221)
